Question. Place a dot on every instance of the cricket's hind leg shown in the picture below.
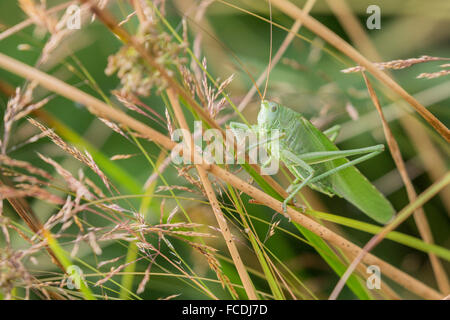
(332, 132)
(320, 157)
(297, 184)
(325, 156)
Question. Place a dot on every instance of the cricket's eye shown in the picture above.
(273, 109)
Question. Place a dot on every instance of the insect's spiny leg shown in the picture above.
(346, 165)
(296, 162)
(324, 156)
(298, 177)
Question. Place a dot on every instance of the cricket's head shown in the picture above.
(268, 116)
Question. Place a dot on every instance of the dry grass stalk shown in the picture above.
(215, 266)
(38, 14)
(133, 103)
(114, 127)
(395, 64)
(94, 105)
(109, 21)
(174, 187)
(433, 75)
(59, 142)
(84, 158)
(5, 160)
(29, 191)
(25, 23)
(121, 157)
(15, 107)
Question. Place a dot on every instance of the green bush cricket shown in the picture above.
(314, 160)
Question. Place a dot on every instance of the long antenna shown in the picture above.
(270, 51)
(224, 46)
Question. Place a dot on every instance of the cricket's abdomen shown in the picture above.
(300, 139)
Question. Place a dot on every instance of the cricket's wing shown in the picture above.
(353, 186)
(350, 183)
